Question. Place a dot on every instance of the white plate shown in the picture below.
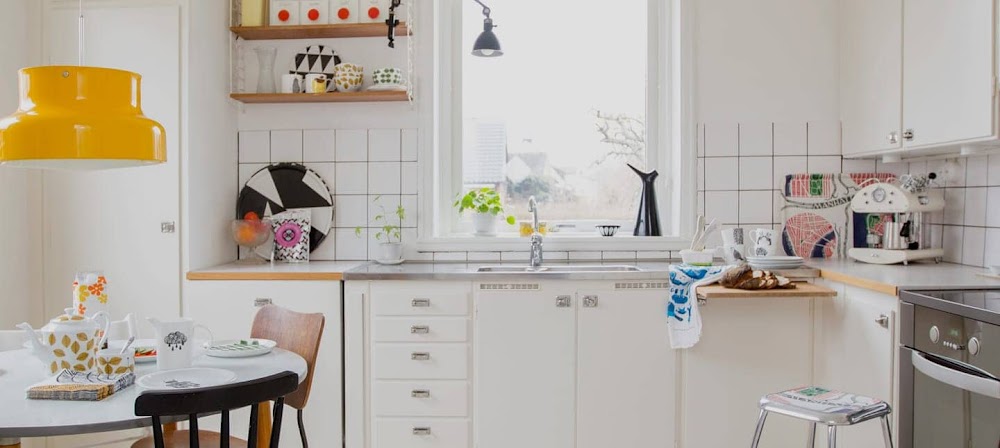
(145, 359)
(390, 262)
(183, 379)
(240, 348)
(773, 268)
(387, 87)
(775, 258)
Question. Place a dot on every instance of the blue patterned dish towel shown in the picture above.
(684, 320)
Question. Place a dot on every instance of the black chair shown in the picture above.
(220, 399)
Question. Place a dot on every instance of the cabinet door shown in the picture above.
(871, 69)
(625, 370)
(855, 352)
(524, 369)
(948, 69)
(227, 308)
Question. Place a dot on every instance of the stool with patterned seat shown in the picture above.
(827, 407)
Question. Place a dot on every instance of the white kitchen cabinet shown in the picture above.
(748, 348)
(948, 71)
(525, 372)
(856, 345)
(625, 369)
(871, 75)
(228, 309)
(917, 75)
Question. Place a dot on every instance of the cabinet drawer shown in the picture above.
(416, 433)
(454, 329)
(424, 399)
(420, 299)
(420, 361)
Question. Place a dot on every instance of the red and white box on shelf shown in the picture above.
(314, 12)
(344, 11)
(373, 10)
(284, 12)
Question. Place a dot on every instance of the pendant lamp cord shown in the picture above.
(80, 38)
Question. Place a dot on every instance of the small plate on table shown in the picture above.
(183, 379)
(240, 348)
(145, 354)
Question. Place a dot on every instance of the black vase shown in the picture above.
(647, 223)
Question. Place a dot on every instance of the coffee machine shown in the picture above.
(895, 226)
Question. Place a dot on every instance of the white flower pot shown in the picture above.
(390, 253)
(485, 224)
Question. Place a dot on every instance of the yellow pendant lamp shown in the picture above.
(80, 118)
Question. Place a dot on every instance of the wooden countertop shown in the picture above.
(801, 290)
(314, 270)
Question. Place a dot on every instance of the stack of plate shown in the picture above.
(775, 263)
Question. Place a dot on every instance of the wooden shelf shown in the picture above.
(801, 290)
(339, 97)
(317, 31)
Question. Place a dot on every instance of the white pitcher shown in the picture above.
(175, 342)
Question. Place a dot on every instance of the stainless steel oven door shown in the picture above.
(947, 403)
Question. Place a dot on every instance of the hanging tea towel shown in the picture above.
(684, 320)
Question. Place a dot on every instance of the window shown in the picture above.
(578, 95)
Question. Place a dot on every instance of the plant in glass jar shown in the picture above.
(388, 234)
(487, 205)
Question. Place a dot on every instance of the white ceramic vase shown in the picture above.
(485, 224)
(390, 252)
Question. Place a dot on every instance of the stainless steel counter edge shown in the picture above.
(650, 270)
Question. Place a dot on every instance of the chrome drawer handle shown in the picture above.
(262, 301)
(420, 303)
(420, 329)
(422, 431)
(564, 301)
(420, 393)
(882, 320)
(590, 301)
(420, 356)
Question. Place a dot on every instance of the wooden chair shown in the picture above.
(219, 399)
(296, 332)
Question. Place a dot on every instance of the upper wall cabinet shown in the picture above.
(917, 75)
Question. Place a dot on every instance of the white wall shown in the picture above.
(766, 60)
(20, 190)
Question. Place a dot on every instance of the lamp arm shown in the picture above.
(486, 9)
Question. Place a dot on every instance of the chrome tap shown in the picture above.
(536, 237)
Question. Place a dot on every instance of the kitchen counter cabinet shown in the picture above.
(890, 279)
(228, 309)
(313, 270)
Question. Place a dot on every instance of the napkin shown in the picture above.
(79, 386)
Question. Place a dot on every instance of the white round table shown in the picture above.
(21, 417)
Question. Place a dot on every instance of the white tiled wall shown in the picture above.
(363, 167)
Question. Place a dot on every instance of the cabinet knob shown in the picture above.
(420, 303)
(564, 301)
(420, 329)
(882, 320)
(420, 356)
(590, 301)
(908, 135)
(893, 137)
(420, 393)
(422, 431)
(262, 301)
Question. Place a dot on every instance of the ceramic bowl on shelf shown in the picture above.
(348, 81)
(387, 76)
(608, 230)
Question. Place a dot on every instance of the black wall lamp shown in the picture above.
(487, 45)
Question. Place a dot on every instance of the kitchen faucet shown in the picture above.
(536, 238)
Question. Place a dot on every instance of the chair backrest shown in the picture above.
(222, 399)
(296, 332)
(11, 340)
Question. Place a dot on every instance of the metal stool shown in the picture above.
(824, 406)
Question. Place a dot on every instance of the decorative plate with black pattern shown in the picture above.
(289, 186)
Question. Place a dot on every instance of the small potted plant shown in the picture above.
(486, 204)
(387, 234)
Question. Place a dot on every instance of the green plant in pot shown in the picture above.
(486, 204)
(388, 234)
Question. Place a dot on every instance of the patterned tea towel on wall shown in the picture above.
(684, 319)
(79, 386)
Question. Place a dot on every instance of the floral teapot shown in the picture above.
(69, 341)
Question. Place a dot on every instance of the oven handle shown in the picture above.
(989, 387)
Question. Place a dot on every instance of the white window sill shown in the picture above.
(560, 243)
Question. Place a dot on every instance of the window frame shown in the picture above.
(671, 138)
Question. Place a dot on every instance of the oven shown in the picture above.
(949, 367)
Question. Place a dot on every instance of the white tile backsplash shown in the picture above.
(409, 177)
(246, 171)
(993, 171)
(384, 178)
(254, 147)
(327, 171)
(992, 255)
(790, 139)
(783, 166)
(756, 207)
(351, 211)
(993, 207)
(409, 203)
(352, 145)
(319, 145)
(755, 139)
(350, 246)
(825, 164)
(286, 146)
(756, 173)
(409, 145)
(954, 206)
(953, 243)
(719, 205)
(721, 139)
(722, 173)
(824, 138)
(384, 145)
(975, 206)
(976, 172)
(384, 205)
(974, 250)
(352, 178)
(859, 166)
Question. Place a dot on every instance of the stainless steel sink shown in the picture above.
(565, 269)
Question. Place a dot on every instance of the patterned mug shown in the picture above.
(765, 242)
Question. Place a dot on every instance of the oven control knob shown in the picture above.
(974, 346)
(935, 334)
